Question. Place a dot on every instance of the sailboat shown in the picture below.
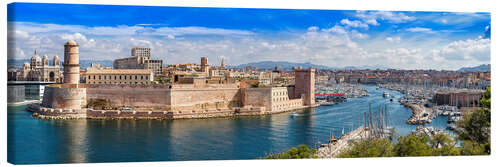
(332, 138)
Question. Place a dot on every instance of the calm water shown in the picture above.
(34, 141)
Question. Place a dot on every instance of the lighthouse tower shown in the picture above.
(71, 64)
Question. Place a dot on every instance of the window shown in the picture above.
(99, 78)
(89, 76)
(120, 78)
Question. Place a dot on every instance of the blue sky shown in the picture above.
(337, 38)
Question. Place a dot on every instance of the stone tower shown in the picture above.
(55, 61)
(222, 64)
(304, 85)
(45, 60)
(204, 64)
(71, 63)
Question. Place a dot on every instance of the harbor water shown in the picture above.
(36, 141)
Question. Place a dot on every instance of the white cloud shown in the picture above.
(354, 23)
(420, 29)
(333, 46)
(372, 22)
(393, 39)
(393, 17)
(312, 28)
(124, 30)
(170, 36)
(336, 29)
(21, 34)
(476, 50)
(76, 37)
(358, 35)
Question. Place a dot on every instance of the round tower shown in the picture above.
(71, 63)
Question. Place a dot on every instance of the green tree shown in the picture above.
(294, 153)
(486, 99)
(369, 148)
(446, 150)
(413, 145)
(475, 126)
(473, 148)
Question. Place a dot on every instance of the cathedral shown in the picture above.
(40, 70)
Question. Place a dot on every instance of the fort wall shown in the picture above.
(257, 97)
(64, 98)
(131, 95)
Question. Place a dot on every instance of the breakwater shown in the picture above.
(420, 114)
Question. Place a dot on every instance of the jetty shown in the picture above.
(421, 114)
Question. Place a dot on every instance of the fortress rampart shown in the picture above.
(64, 98)
(194, 98)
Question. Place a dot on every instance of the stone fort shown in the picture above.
(196, 98)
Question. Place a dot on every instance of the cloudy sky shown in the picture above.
(405, 40)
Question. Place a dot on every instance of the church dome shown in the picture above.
(36, 58)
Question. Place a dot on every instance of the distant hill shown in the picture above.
(482, 68)
(374, 67)
(282, 64)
